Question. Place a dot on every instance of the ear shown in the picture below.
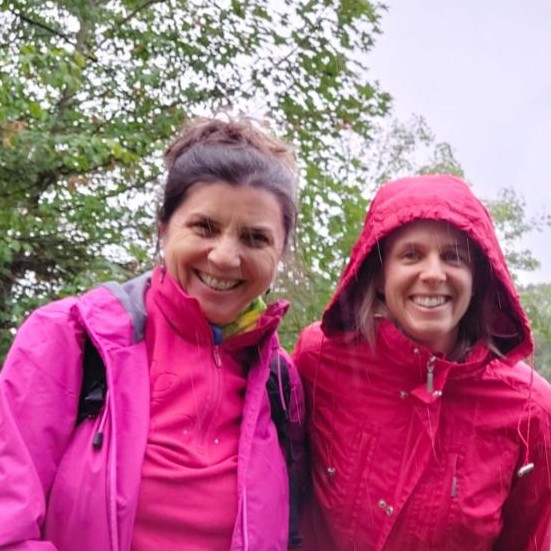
(161, 230)
(161, 233)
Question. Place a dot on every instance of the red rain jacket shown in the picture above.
(396, 467)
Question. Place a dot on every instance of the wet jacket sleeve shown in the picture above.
(527, 511)
(39, 387)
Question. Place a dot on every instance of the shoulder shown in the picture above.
(308, 350)
(55, 328)
(47, 350)
(313, 339)
(52, 323)
(523, 380)
(310, 340)
(523, 396)
(53, 334)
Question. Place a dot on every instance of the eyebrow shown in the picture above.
(257, 229)
(462, 244)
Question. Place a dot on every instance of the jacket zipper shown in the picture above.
(430, 374)
(213, 400)
(217, 339)
(453, 492)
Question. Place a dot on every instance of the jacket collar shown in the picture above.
(398, 364)
(186, 317)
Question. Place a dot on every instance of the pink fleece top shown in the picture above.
(188, 493)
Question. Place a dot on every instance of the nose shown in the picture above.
(225, 253)
(433, 270)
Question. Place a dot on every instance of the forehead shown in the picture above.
(231, 203)
(427, 233)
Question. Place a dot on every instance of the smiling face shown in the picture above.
(428, 282)
(223, 245)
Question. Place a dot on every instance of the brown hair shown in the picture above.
(237, 152)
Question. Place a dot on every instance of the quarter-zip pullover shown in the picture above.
(188, 491)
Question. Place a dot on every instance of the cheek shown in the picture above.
(468, 285)
(265, 266)
(182, 244)
(392, 282)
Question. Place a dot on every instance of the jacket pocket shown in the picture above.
(483, 483)
(340, 459)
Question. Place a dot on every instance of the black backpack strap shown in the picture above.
(94, 385)
(279, 393)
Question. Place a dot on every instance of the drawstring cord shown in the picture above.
(280, 386)
(527, 465)
(245, 522)
(97, 441)
(330, 470)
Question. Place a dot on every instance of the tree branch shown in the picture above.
(132, 14)
(51, 30)
(42, 26)
(138, 9)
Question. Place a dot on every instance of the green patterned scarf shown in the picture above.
(246, 320)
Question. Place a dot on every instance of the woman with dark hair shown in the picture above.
(184, 454)
(427, 429)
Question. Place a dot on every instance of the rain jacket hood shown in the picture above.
(432, 197)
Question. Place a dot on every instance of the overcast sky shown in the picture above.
(480, 74)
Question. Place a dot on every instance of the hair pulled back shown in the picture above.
(237, 152)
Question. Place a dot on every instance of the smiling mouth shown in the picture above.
(430, 302)
(218, 284)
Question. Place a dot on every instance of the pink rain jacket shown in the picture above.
(59, 493)
(398, 466)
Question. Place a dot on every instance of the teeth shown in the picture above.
(218, 284)
(429, 302)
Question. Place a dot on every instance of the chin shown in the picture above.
(217, 320)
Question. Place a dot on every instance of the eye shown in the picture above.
(410, 254)
(256, 239)
(456, 256)
(203, 227)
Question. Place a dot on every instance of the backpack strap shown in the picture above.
(94, 385)
(279, 393)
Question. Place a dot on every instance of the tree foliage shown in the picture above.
(536, 299)
(92, 90)
(512, 224)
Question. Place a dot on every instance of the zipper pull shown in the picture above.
(217, 338)
(216, 355)
(454, 487)
(430, 374)
(97, 441)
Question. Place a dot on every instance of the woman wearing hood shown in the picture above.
(427, 429)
